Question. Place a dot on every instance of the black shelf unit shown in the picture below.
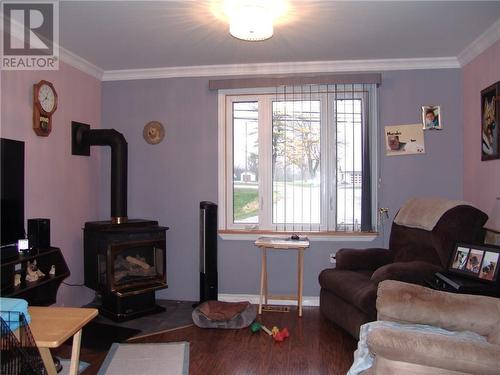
(42, 292)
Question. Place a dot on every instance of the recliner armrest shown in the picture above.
(363, 259)
(415, 272)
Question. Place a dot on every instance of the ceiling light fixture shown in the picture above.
(252, 20)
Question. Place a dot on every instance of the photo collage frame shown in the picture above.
(476, 261)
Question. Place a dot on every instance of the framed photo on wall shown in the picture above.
(404, 140)
(476, 261)
(490, 121)
(431, 117)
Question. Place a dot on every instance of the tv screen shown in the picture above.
(12, 191)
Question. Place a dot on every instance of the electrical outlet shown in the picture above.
(333, 260)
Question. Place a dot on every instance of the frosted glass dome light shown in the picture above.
(252, 20)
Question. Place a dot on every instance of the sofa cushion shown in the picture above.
(354, 287)
(363, 259)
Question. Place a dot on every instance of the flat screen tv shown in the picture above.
(12, 191)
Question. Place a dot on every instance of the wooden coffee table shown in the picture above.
(52, 326)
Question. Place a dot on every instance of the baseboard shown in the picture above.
(254, 299)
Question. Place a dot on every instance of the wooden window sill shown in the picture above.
(252, 235)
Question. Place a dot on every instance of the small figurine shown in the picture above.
(17, 279)
(33, 273)
(52, 271)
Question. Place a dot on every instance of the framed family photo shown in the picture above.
(431, 117)
(490, 120)
(476, 261)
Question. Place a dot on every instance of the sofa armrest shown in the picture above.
(411, 272)
(409, 303)
(435, 350)
(362, 259)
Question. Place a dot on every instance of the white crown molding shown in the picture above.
(65, 55)
(254, 300)
(282, 68)
(478, 46)
(80, 63)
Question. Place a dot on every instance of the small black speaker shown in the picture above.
(39, 234)
(208, 252)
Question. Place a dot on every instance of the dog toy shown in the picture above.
(280, 335)
(256, 326)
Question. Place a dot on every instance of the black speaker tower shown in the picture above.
(208, 251)
(39, 234)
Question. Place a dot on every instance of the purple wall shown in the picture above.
(481, 178)
(59, 186)
(167, 181)
(439, 171)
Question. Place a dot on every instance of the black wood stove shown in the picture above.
(125, 263)
(124, 260)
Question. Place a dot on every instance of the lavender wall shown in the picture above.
(59, 186)
(439, 171)
(481, 179)
(168, 180)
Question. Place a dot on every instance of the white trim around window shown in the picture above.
(324, 232)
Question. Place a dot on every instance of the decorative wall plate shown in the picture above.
(153, 132)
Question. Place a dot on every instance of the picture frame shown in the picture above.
(490, 122)
(478, 262)
(431, 117)
(404, 139)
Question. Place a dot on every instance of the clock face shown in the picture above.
(46, 97)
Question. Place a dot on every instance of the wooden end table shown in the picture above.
(52, 326)
(270, 243)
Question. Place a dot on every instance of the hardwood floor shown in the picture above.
(315, 346)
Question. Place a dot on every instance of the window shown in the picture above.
(298, 159)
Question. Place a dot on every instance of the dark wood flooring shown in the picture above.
(315, 346)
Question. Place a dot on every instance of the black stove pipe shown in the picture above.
(119, 161)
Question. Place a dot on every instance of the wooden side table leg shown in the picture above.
(75, 354)
(262, 276)
(300, 273)
(48, 361)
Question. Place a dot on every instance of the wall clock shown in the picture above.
(44, 106)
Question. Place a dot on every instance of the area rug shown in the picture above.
(147, 359)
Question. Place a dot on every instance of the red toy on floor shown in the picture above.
(280, 335)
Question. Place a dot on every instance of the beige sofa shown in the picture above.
(398, 352)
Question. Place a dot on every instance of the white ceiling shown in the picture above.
(116, 35)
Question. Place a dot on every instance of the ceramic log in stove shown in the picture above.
(124, 260)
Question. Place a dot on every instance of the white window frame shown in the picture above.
(230, 230)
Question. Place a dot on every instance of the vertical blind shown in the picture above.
(321, 151)
(317, 174)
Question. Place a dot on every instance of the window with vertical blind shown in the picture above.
(298, 158)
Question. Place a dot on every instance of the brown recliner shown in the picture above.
(349, 291)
